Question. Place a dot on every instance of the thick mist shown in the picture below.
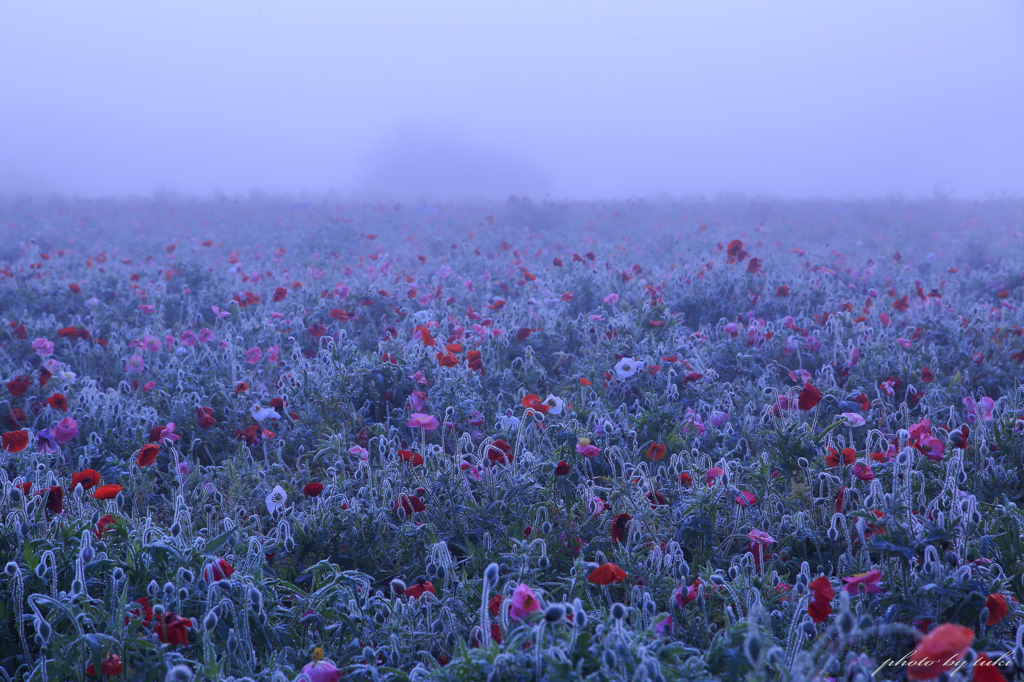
(574, 100)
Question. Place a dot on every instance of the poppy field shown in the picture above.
(270, 439)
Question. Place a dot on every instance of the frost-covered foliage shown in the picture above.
(641, 441)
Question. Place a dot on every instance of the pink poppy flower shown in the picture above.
(713, 475)
(167, 434)
(188, 338)
(718, 418)
(321, 671)
(147, 308)
(135, 364)
(854, 357)
(932, 447)
(272, 353)
(419, 378)
(905, 343)
(362, 453)
(149, 386)
(588, 450)
(220, 313)
(253, 355)
(418, 400)
(921, 428)
(207, 335)
(685, 594)
(65, 430)
(43, 347)
(813, 344)
(853, 419)
(863, 472)
(418, 420)
(611, 299)
(760, 536)
(524, 602)
(867, 582)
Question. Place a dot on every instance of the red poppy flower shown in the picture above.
(685, 479)
(155, 433)
(656, 451)
(475, 362)
(109, 666)
(147, 455)
(523, 333)
(17, 387)
(820, 605)
(735, 251)
(413, 458)
(927, 376)
(863, 401)
(656, 499)
(754, 266)
(101, 525)
(996, 605)
(15, 441)
(409, 503)
(75, 289)
(17, 416)
(533, 402)
(312, 489)
(58, 402)
(218, 570)
(54, 499)
(107, 492)
(939, 651)
(205, 417)
(242, 387)
(809, 397)
(171, 628)
(782, 291)
(746, 499)
(584, 381)
(620, 526)
(87, 477)
(425, 335)
(499, 452)
(839, 499)
(494, 605)
(416, 590)
(279, 294)
(562, 468)
(139, 609)
(447, 360)
(849, 456)
(606, 574)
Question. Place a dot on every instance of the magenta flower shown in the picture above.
(272, 353)
(418, 420)
(854, 357)
(663, 628)
(253, 355)
(46, 441)
(921, 428)
(588, 450)
(863, 472)
(220, 313)
(321, 671)
(868, 581)
(43, 347)
(188, 338)
(713, 475)
(167, 433)
(65, 430)
(813, 344)
(524, 602)
(905, 343)
(419, 378)
(718, 418)
(932, 447)
(611, 299)
(418, 399)
(207, 335)
(136, 364)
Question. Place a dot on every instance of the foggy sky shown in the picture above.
(437, 100)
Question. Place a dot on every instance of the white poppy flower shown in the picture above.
(276, 499)
(554, 403)
(259, 413)
(627, 367)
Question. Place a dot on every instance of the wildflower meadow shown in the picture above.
(277, 439)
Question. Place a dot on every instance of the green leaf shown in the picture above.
(217, 542)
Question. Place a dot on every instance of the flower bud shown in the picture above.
(618, 611)
(491, 574)
(555, 613)
(752, 647)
